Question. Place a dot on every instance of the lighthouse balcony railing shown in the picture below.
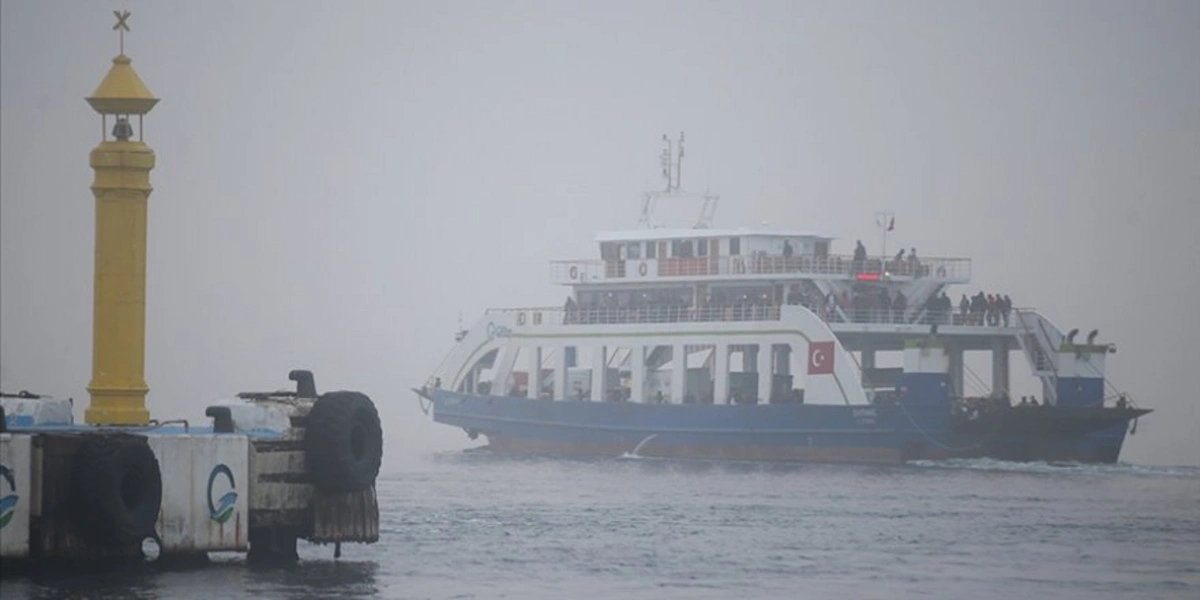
(582, 271)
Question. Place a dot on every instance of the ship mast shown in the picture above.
(672, 171)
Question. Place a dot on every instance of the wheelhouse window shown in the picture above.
(681, 248)
(610, 251)
(735, 245)
(651, 249)
(634, 250)
(701, 247)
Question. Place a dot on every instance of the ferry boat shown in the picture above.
(759, 344)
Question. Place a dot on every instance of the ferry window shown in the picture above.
(821, 248)
(651, 249)
(681, 248)
(609, 251)
(701, 247)
(634, 250)
(735, 245)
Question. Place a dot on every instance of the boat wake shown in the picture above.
(1057, 468)
(634, 454)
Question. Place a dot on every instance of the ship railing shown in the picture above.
(733, 267)
(612, 315)
(912, 316)
(671, 313)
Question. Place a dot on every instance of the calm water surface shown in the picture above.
(473, 525)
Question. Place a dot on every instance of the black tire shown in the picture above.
(343, 442)
(118, 489)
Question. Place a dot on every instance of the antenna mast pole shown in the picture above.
(679, 164)
(672, 171)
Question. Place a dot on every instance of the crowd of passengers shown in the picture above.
(861, 305)
(667, 307)
(881, 306)
(981, 309)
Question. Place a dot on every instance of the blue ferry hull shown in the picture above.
(881, 434)
(890, 433)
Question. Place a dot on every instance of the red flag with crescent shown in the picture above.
(820, 358)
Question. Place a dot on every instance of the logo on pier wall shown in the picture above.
(221, 510)
(8, 496)
(820, 358)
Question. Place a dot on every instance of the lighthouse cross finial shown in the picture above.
(122, 26)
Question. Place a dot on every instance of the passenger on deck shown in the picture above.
(794, 295)
(1005, 308)
(964, 310)
(1033, 401)
(860, 251)
(787, 249)
(860, 256)
(569, 311)
(899, 305)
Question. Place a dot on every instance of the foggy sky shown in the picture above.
(337, 183)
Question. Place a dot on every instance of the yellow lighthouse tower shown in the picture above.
(122, 188)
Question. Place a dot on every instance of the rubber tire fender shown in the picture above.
(118, 489)
(343, 442)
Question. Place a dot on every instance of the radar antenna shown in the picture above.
(671, 162)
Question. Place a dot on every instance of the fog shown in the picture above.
(338, 183)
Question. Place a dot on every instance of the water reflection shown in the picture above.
(308, 579)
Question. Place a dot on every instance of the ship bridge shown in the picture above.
(742, 254)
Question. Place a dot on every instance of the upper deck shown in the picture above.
(756, 266)
(856, 329)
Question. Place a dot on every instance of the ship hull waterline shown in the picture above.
(875, 434)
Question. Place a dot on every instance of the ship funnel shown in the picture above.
(1071, 336)
(1092, 336)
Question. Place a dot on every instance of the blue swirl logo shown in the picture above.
(222, 509)
(8, 503)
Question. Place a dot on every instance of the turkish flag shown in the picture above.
(820, 358)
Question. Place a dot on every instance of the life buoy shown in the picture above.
(574, 272)
(739, 266)
(520, 318)
(343, 442)
(118, 489)
(642, 269)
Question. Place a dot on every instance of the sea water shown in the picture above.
(475, 525)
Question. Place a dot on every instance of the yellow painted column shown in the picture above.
(122, 186)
